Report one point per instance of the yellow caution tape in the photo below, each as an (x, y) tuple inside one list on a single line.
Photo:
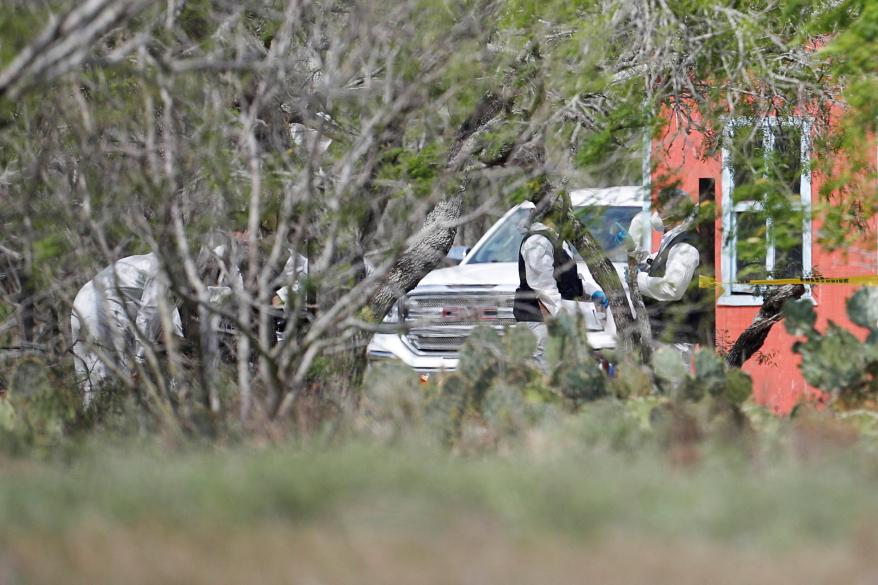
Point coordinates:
[(868, 280)]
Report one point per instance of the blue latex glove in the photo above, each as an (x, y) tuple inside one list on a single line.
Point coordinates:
[(600, 298), (621, 234)]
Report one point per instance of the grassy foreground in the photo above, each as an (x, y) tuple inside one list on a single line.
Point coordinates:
[(549, 511)]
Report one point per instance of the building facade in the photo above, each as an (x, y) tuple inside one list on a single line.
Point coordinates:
[(752, 242)]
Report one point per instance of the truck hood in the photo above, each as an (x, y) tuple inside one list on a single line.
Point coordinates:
[(500, 274)]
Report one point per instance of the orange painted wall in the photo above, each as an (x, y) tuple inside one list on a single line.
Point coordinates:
[(777, 382)]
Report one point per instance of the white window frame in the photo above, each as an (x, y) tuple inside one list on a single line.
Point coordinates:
[(741, 294)]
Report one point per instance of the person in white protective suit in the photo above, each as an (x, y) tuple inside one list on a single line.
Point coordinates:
[(294, 270), (219, 270), (667, 279), (290, 277), (549, 280), (114, 315)]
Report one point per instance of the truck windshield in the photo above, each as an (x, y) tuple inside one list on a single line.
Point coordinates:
[(602, 221)]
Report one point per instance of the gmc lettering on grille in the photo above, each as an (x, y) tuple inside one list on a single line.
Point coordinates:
[(469, 313)]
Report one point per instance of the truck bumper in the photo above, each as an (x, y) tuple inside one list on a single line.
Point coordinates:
[(389, 346)]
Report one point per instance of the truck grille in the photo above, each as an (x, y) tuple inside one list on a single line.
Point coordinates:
[(441, 344), (441, 324)]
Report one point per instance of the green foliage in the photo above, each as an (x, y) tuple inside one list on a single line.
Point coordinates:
[(850, 30), (417, 169), (7, 415), (632, 381), (263, 26), (620, 140), (523, 13), (90, 173), (47, 252), (496, 393), (194, 19), (37, 411), (499, 143), (18, 21)]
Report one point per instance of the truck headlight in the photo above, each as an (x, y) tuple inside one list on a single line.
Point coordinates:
[(393, 315)]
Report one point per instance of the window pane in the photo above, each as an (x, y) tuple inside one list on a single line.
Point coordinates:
[(786, 159), (746, 162), (772, 230), (787, 237), (783, 204), (750, 246)]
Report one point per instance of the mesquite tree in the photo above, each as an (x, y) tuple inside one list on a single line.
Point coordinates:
[(356, 133)]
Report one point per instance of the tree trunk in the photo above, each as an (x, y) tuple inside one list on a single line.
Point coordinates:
[(753, 337), (440, 226), (27, 322), (436, 237), (630, 339), (642, 318)]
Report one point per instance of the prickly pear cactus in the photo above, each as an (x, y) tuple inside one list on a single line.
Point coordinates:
[(738, 386), (836, 361), (461, 394), (710, 371), (863, 310), (574, 370), (711, 377), (499, 392), (506, 411), (478, 365), (518, 367), (799, 317), (669, 368)]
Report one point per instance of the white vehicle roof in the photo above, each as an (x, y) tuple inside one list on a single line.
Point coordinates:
[(627, 196)]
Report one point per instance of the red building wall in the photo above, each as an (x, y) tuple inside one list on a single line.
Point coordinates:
[(777, 383)]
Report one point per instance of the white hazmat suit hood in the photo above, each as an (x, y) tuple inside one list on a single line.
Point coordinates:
[(682, 262), (114, 314)]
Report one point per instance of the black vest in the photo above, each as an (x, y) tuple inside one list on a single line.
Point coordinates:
[(526, 306), (686, 320)]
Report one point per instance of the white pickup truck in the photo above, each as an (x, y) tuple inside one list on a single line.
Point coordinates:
[(428, 326)]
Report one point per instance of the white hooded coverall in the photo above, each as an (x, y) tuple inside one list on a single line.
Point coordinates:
[(119, 301), (683, 259), (295, 268), (539, 267)]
